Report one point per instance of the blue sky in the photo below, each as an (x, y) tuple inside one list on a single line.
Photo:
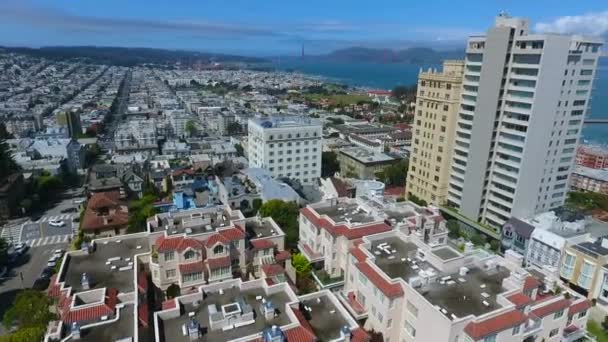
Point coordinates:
[(267, 27)]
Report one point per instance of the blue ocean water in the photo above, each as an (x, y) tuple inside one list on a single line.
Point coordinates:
[(386, 76)]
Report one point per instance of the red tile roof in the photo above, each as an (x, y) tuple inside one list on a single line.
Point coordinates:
[(282, 256), (169, 304), (143, 314), (233, 234), (262, 244), (192, 267), (358, 254), (180, 172), (271, 270), (344, 230), (299, 334), (359, 335), (216, 238), (551, 308), (94, 219), (531, 283), (479, 330), (579, 307), (394, 191), (218, 262), (94, 312), (166, 244), (54, 290), (520, 299), (104, 200), (389, 290)]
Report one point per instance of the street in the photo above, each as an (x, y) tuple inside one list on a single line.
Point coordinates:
[(30, 266)]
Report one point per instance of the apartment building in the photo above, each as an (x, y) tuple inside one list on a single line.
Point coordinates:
[(592, 156), (403, 286), (437, 105), (589, 179), (584, 267), (328, 229), (198, 246), (137, 136), (522, 106), (362, 163), (286, 146)]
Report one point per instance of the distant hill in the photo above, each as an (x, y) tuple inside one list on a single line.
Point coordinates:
[(129, 56), (411, 55)]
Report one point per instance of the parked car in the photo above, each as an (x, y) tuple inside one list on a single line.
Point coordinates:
[(21, 248), (56, 223), (41, 284), (47, 272), (78, 201), (69, 210)]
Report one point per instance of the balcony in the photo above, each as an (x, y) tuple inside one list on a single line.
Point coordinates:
[(533, 326), (308, 252), (573, 333), (351, 304), (325, 281)]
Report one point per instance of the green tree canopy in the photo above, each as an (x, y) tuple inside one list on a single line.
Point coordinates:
[(190, 127), (404, 93), (329, 164), (234, 128), (139, 212), (301, 264), (30, 310), (285, 214), (239, 150), (396, 174)]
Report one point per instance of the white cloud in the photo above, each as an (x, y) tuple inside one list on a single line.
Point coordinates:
[(591, 23)]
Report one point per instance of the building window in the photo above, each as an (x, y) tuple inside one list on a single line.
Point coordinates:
[(189, 255), (490, 339), (516, 330), (568, 266), (411, 308), (170, 273), (587, 271), (409, 328), (169, 256), (558, 314), (192, 277), (219, 249), (553, 332)]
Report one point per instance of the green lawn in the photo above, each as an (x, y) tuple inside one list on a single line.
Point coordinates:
[(339, 99), (596, 330)]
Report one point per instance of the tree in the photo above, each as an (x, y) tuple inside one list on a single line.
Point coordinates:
[(256, 204), (477, 239), (190, 127), (417, 200), (4, 134), (25, 334), (140, 210), (301, 264), (239, 150), (7, 163), (234, 128), (29, 310), (396, 174), (285, 214), (173, 291), (403, 93), (3, 252), (453, 229), (329, 164)]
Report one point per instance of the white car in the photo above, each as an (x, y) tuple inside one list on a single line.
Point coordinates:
[(78, 201), (56, 223)]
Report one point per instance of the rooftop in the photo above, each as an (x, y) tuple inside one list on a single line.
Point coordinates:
[(365, 156), (285, 122), (595, 249), (96, 266), (346, 211), (597, 174), (260, 228), (446, 253), (401, 262), (193, 221), (172, 328), (324, 318), (471, 294), (120, 329)]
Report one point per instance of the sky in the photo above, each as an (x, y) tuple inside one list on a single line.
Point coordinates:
[(271, 27)]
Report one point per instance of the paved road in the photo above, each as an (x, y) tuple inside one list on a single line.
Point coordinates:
[(30, 266)]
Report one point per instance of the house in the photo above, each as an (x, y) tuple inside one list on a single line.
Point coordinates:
[(516, 235), (106, 215), (134, 183)]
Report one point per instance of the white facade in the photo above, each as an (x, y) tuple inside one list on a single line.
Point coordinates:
[(286, 147), (522, 107)]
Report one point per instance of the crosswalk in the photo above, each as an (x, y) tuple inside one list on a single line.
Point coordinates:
[(63, 217), (12, 234), (48, 240)]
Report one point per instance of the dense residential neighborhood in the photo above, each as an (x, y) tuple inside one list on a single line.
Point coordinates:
[(214, 201)]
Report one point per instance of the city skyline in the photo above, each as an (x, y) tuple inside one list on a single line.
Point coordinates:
[(273, 27)]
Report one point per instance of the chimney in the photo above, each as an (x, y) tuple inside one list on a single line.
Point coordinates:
[(345, 333), (85, 282), (75, 330), (194, 330)]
